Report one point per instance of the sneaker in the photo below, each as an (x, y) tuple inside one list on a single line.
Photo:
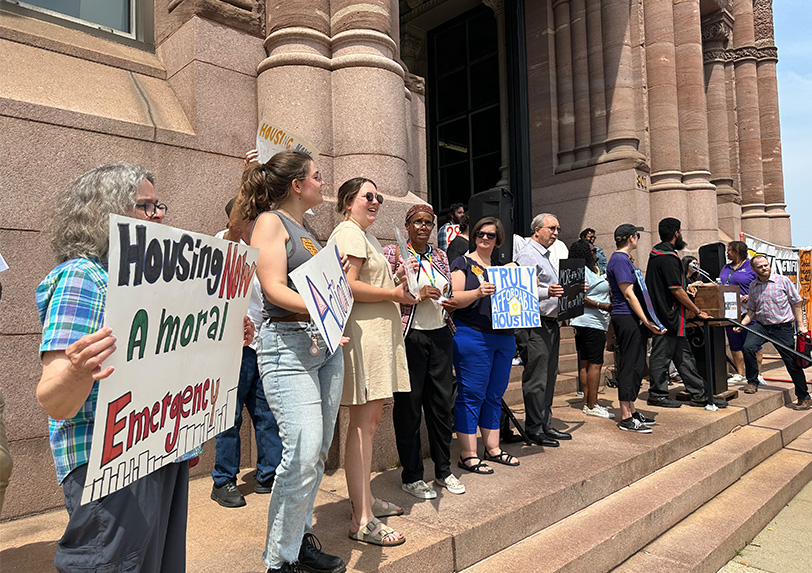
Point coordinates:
[(227, 494), (633, 425), (643, 419), (313, 560), (736, 379), (579, 394), (597, 411), (761, 379), (419, 489), (718, 402), (264, 486), (606, 410), (803, 404), (663, 402), (451, 483)]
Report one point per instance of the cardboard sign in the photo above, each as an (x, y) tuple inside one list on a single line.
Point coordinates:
[(323, 285), (272, 139), (176, 302), (571, 276), (515, 304)]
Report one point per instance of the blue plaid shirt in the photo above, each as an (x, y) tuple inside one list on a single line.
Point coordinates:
[(71, 303)]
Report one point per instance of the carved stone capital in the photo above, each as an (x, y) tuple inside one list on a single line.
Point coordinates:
[(744, 53), (415, 84), (498, 6), (715, 55), (410, 44), (768, 53), (717, 29)]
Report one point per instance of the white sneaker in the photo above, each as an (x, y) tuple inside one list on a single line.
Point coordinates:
[(419, 489), (761, 379), (579, 394), (736, 378), (602, 409), (596, 412), (451, 483)]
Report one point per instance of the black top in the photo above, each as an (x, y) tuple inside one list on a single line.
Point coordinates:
[(457, 248), (477, 315), (663, 275)]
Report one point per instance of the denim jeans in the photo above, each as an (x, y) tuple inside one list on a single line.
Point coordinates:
[(304, 393), (783, 333), (227, 444)]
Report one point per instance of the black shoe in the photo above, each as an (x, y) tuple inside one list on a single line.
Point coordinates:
[(314, 560), (264, 486), (543, 440), (644, 420), (718, 402), (556, 435), (227, 494), (510, 438), (287, 568), (663, 402), (632, 424)]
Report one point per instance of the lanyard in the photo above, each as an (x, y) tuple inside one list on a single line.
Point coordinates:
[(432, 277)]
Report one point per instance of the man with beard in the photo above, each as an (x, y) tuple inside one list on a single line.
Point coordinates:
[(666, 283)]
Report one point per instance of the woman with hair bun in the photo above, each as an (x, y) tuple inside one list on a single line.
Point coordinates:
[(301, 378), (374, 358)]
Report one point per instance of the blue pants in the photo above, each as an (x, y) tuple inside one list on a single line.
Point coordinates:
[(227, 444), (783, 333), (482, 363)]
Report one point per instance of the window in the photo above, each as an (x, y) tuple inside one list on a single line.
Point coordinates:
[(127, 21)]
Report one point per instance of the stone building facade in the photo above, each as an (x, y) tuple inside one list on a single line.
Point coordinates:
[(602, 111)]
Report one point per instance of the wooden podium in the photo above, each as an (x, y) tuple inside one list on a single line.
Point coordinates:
[(708, 339)]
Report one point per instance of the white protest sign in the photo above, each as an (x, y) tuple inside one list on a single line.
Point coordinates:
[(323, 285), (783, 260), (176, 302), (515, 304), (272, 139), (3, 264)]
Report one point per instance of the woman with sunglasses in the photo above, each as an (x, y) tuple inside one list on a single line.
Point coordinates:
[(428, 333), (374, 358), (482, 355), (301, 378)]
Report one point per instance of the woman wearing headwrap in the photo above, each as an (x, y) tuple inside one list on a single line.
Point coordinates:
[(428, 332)]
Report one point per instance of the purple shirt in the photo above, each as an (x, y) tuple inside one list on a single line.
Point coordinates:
[(740, 277), (620, 269), (772, 300)]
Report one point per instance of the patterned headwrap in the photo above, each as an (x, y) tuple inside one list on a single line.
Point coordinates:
[(419, 208)]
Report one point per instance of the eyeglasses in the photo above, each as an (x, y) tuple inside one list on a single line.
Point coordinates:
[(150, 208), (370, 196), (316, 177), (421, 224), (553, 229), (485, 235)]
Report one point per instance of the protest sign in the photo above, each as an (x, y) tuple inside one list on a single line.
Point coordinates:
[(515, 304), (323, 285), (3, 264), (272, 139), (805, 281), (571, 276), (176, 302), (783, 260)]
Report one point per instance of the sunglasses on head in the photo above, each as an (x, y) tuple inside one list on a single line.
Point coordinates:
[(370, 196), (485, 235)]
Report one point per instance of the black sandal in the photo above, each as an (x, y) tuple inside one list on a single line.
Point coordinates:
[(480, 468), (502, 457)]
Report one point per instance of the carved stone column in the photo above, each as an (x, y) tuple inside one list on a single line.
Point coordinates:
[(745, 56), (772, 168), (669, 193), (597, 95), (622, 141), (693, 122), (498, 7), (563, 79), (580, 84), (716, 32)]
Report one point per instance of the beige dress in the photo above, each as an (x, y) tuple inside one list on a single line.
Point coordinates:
[(374, 358)]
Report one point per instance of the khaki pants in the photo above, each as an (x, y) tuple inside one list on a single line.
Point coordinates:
[(5, 457)]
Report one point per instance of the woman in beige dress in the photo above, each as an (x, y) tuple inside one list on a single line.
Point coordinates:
[(374, 358)]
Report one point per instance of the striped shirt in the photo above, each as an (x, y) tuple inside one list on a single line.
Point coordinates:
[(772, 300), (71, 303)]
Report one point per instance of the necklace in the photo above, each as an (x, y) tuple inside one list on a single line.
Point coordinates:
[(419, 256)]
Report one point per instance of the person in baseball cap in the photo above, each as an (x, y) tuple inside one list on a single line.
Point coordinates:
[(625, 231)]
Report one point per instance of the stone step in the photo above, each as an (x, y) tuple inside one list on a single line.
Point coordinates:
[(603, 534), (710, 536)]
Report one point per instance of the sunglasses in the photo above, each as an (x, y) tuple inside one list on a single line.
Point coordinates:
[(485, 235), (370, 196)]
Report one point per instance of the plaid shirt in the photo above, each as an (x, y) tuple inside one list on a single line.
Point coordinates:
[(772, 300), (71, 303)]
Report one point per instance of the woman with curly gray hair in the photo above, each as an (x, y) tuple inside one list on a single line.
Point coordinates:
[(143, 526)]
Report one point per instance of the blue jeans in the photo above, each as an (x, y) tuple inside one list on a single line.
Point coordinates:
[(227, 444), (482, 362), (304, 393), (783, 333)]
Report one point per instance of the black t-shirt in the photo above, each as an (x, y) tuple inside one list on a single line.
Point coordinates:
[(457, 248), (664, 275)]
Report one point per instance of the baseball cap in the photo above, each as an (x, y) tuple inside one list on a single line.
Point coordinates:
[(625, 231)]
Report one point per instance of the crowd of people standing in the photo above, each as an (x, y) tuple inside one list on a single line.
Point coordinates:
[(434, 352)]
